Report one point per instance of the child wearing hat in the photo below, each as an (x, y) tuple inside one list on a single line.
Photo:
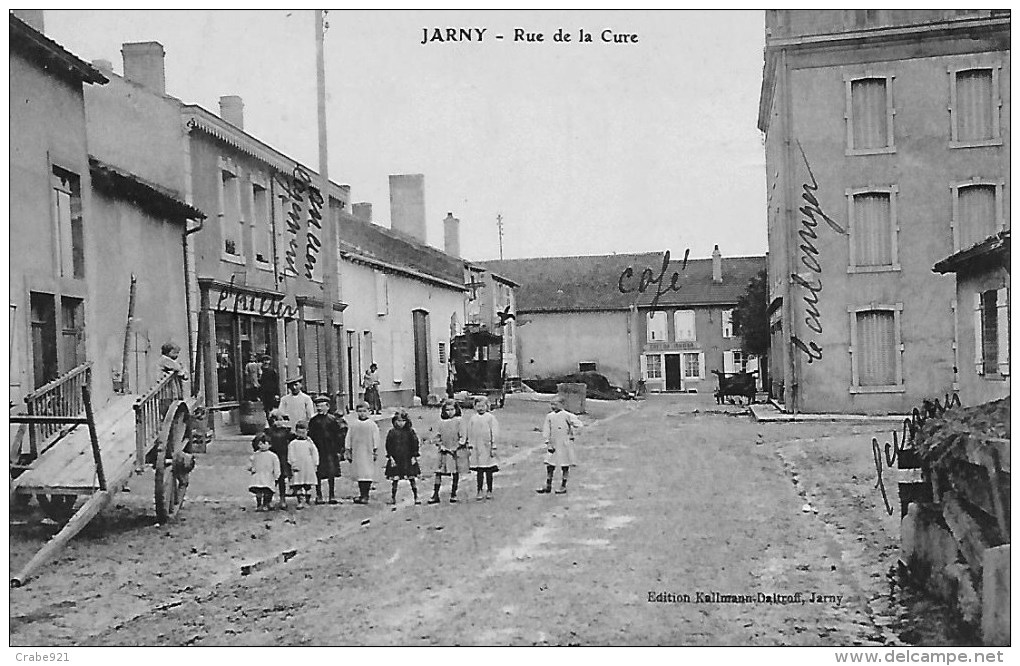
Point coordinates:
[(304, 461), (328, 432), (297, 404)]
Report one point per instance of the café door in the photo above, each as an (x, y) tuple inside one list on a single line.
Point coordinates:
[(673, 374)]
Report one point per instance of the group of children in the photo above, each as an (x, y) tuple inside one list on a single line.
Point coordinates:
[(311, 453)]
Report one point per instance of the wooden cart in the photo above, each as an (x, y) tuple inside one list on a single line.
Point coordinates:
[(67, 461), (477, 357)]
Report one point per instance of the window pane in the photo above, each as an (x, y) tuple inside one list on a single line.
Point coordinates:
[(226, 358), (974, 105), (876, 348), (692, 368), (656, 326), (654, 366), (989, 332), (977, 214), (872, 233), (231, 216), (870, 114), (263, 231)]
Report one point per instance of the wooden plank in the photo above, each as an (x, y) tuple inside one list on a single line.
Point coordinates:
[(81, 518), (32, 489)]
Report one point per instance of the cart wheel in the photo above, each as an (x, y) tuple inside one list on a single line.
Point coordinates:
[(173, 462), (58, 508)]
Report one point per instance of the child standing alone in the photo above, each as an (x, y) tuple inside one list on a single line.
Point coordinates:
[(448, 436), (265, 470), (558, 431), (362, 451), (402, 454), (480, 436), (304, 462)]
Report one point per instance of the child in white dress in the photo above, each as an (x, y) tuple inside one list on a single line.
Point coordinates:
[(265, 470), (303, 457), (480, 436), (558, 431)]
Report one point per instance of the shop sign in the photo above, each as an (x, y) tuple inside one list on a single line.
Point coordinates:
[(236, 301)]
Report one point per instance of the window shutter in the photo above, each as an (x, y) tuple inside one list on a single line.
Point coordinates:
[(977, 214), (1002, 319), (974, 102), (870, 113), (979, 359), (872, 235), (728, 362), (311, 360), (876, 341), (701, 365), (381, 294), (398, 358)]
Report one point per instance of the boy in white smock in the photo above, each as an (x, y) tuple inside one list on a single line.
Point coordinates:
[(558, 431)]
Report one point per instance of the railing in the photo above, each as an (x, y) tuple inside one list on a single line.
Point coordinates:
[(61, 397), (902, 451), (150, 409)]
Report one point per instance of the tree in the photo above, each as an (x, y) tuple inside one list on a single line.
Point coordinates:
[(751, 321)]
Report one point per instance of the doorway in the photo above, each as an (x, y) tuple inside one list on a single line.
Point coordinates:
[(421, 355), (673, 382)]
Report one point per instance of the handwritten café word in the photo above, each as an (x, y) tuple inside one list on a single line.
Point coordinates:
[(561, 36), (648, 278), (305, 202), (265, 305), (811, 213)]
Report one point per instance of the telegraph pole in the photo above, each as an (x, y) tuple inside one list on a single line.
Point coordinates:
[(329, 268), (499, 225)]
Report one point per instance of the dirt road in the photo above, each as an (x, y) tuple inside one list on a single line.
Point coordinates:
[(678, 529)]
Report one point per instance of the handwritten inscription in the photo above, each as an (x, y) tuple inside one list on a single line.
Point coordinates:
[(648, 278), (264, 305), (811, 213), (305, 200)]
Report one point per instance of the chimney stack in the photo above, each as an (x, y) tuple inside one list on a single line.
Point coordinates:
[(407, 204), (362, 210), (143, 64), (33, 17), (451, 235), (232, 110), (716, 265)]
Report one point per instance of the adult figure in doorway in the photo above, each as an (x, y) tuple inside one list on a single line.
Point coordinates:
[(371, 384), (269, 386)]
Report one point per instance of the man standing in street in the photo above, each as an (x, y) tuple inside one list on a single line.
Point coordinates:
[(269, 385), (297, 404)]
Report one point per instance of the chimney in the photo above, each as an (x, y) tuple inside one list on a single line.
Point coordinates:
[(104, 66), (407, 204), (232, 110), (716, 265), (33, 17), (362, 210), (143, 64), (451, 235)]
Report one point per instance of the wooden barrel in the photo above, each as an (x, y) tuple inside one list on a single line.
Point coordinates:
[(253, 419)]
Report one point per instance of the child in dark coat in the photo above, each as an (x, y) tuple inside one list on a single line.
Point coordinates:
[(279, 435), (328, 432), (402, 454)]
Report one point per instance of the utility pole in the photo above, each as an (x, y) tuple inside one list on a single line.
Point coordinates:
[(329, 268), (499, 225)]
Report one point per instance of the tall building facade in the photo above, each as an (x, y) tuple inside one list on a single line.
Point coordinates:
[(887, 149)]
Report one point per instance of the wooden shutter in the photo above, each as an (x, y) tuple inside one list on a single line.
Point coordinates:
[(310, 363), (876, 342), (979, 359), (728, 362), (976, 207), (974, 105), (1002, 330), (872, 234), (870, 113)]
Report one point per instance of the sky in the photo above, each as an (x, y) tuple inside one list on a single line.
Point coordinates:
[(582, 147)]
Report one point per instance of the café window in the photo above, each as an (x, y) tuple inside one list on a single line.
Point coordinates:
[(656, 326), (653, 366), (683, 324), (227, 361)]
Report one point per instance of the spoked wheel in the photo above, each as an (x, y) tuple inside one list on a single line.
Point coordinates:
[(173, 462), (58, 508)]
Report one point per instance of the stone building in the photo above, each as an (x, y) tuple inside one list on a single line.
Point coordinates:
[(887, 149), (590, 313)]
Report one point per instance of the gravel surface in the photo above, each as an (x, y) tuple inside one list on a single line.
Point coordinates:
[(673, 496)]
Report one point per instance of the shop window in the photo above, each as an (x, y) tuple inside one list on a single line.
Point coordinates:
[(977, 213), (262, 228), (653, 366), (875, 349), (44, 338), (227, 362), (869, 114), (873, 230), (67, 214), (974, 107), (693, 367), (586, 366), (727, 323), (991, 333), (656, 326), (683, 324)]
